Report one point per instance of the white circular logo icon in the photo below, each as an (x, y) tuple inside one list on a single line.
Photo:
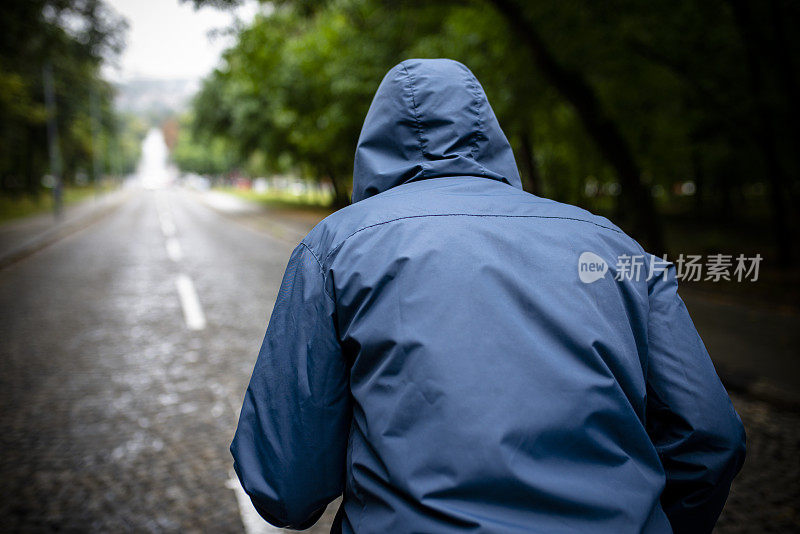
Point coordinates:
[(591, 267)]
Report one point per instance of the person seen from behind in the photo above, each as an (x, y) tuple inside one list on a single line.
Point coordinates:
[(452, 354)]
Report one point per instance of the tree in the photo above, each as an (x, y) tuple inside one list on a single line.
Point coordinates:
[(573, 86), (617, 106), (73, 37)]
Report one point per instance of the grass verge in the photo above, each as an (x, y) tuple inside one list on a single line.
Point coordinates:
[(24, 205), (312, 201)]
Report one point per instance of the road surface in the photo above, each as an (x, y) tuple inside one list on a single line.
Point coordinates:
[(117, 404)]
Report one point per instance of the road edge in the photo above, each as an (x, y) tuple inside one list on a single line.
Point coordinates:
[(759, 389), (66, 228)]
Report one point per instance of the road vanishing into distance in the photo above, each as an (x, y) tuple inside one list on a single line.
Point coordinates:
[(125, 349)]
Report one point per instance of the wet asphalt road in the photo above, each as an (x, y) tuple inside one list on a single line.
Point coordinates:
[(116, 417)]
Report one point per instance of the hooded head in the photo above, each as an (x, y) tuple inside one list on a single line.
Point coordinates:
[(430, 118)]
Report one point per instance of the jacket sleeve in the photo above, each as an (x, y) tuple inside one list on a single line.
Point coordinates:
[(290, 445), (690, 419)]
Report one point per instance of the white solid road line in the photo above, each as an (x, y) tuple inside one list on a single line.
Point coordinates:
[(192, 312), (174, 250), (253, 523)]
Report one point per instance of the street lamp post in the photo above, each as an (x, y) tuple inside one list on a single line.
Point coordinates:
[(52, 138)]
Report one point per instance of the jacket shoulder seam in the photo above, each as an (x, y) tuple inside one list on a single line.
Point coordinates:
[(302, 243), (321, 268), (487, 215)]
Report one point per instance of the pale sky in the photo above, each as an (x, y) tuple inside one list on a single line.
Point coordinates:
[(169, 39)]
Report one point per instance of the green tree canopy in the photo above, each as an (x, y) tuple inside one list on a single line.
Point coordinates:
[(614, 105), (72, 38)]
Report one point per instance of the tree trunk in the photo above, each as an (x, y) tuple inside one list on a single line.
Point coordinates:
[(787, 73), (699, 181), (756, 52), (341, 198), (636, 200), (530, 171)]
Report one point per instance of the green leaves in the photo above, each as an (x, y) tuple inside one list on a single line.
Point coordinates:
[(670, 78), (74, 37)]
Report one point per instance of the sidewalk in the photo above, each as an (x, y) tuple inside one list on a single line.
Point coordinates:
[(285, 224), (22, 237), (754, 348)]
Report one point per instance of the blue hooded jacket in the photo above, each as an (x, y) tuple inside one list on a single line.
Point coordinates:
[(453, 354)]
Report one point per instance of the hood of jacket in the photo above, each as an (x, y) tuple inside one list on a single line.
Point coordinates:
[(430, 118)]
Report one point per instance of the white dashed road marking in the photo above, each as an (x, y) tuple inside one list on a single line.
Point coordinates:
[(253, 523), (167, 226), (165, 217), (192, 312), (195, 320), (174, 250)]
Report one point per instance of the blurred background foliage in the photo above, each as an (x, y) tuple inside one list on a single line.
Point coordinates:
[(71, 39), (678, 119)]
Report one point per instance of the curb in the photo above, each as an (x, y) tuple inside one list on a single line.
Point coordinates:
[(62, 230)]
